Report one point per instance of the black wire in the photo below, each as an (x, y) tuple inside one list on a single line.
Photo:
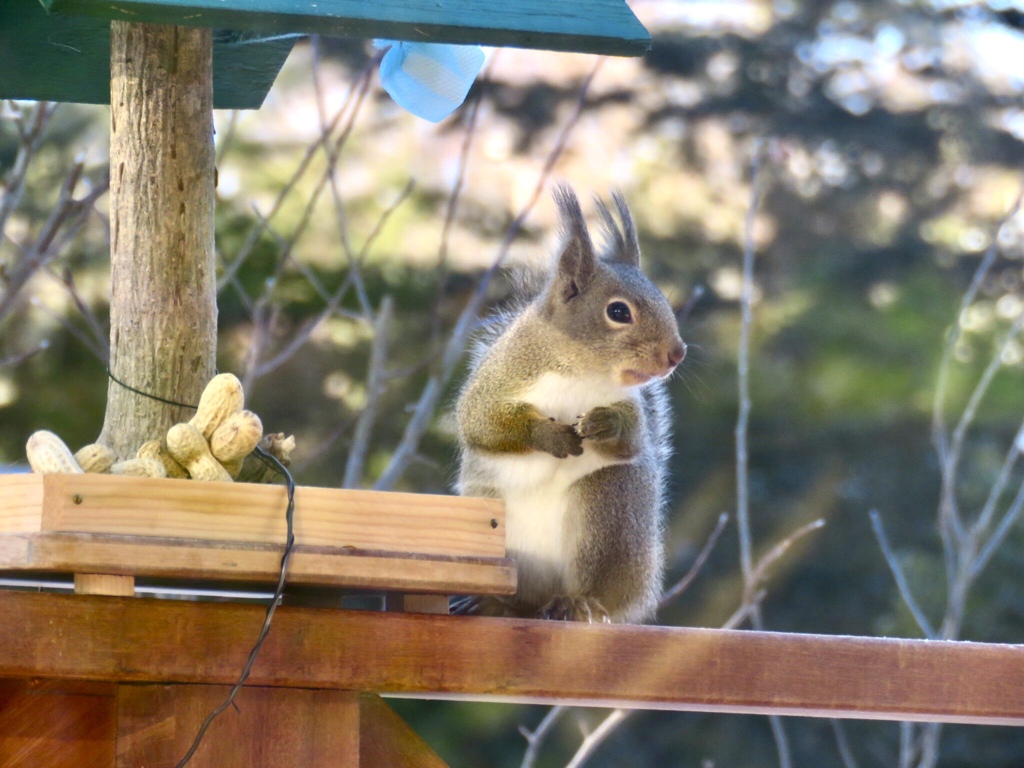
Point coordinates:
[(150, 395), (289, 517), (290, 541)]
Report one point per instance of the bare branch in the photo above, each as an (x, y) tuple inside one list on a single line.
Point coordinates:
[(948, 507), (781, 741), (843, 744), (752, 593), (930, 733), (998, 486), (939, 432), (434, 388), (999, 535), (20, 357), (320, 450), (318, 87), (763, 568), (753, 590), (900, 577), (351, 105), (535, 738), (62, 225), (30, 131), (743, 365), (100, 334), (454, 199), (683, 584), (258, 369), (374, 389), (334, 300), (981, 388), (950, 447), (355, 275), (341, 217), (262, 321), (383, 220), (86, 340), (907, 740), (224, 145), (594, 739), (684, 312), (745, 611)]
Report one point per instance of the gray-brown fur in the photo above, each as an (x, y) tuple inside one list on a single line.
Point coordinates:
[(583, 490)]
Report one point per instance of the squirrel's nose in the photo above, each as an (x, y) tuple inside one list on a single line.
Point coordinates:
[(676, 354)]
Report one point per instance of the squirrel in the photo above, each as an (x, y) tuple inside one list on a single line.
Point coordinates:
[(565, 417)]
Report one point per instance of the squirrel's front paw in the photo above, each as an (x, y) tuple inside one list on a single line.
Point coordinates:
[(566, 608), (560, 440), (600, 423)]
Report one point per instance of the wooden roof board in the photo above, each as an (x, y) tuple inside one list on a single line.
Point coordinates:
[(67, 58), (584, 26)]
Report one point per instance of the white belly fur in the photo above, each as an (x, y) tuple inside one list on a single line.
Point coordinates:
[(535, 486)]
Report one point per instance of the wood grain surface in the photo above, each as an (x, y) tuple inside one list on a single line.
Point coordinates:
[(387, 741), (432, 656), (248, 512), (270, 728), (201, 561), (56, 725)]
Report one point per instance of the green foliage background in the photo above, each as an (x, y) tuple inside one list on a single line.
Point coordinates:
[(896, 153)]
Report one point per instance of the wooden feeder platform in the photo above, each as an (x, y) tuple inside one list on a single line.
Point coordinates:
[(174, 529)]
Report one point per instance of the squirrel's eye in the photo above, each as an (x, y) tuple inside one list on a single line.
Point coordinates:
[(618, 312)]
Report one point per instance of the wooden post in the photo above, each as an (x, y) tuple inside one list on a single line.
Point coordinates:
[(163, 308)]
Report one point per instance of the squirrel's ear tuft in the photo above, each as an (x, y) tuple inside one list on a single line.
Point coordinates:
[(576, 260), (623, 245)]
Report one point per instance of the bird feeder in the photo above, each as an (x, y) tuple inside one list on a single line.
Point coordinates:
[(163, 65), (98, 679)]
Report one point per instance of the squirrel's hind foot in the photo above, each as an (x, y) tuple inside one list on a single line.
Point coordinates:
[(568, 608)]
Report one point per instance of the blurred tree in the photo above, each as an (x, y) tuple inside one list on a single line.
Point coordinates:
[(897, 130)]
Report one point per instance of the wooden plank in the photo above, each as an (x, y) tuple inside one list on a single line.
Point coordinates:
[(57, 58), (254, 563), (590, 26), (105, 638), (271, 727), (104, 584), (141, 506), (387, 741), (56, 726), (21, 503)]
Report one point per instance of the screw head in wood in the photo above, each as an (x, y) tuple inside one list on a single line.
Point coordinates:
[(494, 522), (77, 498)]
